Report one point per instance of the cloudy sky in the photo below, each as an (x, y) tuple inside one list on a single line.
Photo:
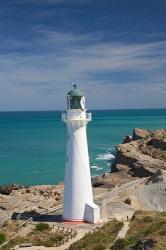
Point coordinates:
[(115, 50)]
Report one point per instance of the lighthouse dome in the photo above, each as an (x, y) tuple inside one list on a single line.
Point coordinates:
[(75, 91), (75, 98)]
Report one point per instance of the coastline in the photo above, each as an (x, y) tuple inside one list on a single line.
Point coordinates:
[(35, 143), (130, 164), (134, 185)]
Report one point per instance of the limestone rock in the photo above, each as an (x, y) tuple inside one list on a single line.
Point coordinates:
[(127, 139), (140, 133), (151, 194), (7, 189), (144, 154), (18, 199)]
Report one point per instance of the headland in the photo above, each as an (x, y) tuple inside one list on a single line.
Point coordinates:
[(136, 182)]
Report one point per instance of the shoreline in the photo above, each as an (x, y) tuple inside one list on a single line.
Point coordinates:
[(134, 160), (137, 183), (126, 163)]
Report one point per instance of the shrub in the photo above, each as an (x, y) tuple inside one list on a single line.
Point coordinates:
[(50, 241), (2, 238), (99, 246), (147, 219), (47, 243), (119, 244), (42, 227), (13, 242)]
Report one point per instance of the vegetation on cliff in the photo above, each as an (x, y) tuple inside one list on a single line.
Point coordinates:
[(2, 238), (147, 230), (100, 239), (41, 235)]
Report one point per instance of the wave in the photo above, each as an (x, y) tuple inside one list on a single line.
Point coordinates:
[(95, 167), (106, 148), (105, 157)]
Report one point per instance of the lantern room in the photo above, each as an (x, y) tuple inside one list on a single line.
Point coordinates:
[(75, 99)]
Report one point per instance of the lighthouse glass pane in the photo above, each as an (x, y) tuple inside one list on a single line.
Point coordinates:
[(75, 102)]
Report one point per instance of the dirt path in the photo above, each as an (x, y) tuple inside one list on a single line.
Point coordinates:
[(123, 231)]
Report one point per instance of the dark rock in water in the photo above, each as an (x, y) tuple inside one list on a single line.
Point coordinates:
[(114, 168), (127, 139), (140, 133)]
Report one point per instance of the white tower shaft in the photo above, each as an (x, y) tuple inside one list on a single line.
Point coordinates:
[(78, 198), (78, 189)]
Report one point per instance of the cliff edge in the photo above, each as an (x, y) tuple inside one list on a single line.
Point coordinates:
[(143, 153)]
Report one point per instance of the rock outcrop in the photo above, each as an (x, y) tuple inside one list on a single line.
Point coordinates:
[(141, 155), (144, 154), (18, 199), (150, 195), (140, 134), (7, 189)]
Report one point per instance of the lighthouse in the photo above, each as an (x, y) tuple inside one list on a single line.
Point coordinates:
[(78, 198)]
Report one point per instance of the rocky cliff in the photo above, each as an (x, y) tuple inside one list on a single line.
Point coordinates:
[(143, 153), (140, 155)]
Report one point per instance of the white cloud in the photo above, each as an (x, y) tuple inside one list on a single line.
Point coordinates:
[(41, 78)]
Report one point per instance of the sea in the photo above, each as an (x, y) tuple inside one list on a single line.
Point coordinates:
[(33, 144)]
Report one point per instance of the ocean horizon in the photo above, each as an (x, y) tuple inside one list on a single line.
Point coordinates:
[(33, 143)]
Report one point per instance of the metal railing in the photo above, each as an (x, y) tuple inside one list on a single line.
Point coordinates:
[(65, 116)]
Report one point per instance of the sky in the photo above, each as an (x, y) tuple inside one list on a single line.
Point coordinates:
[(114, 50)]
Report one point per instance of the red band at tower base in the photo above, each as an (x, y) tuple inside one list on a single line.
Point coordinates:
[(72, 220)]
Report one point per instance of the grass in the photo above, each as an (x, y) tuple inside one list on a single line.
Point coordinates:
[(42, 227), (2, 238), (41, 235), (98, 240), (14, 242), (146, 229)]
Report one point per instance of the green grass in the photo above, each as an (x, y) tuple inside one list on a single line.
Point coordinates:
[(50, 242), (98, 240), (41, 235), (42, 227), (14, 242), (122, 243), (2, 238), (146, 228)]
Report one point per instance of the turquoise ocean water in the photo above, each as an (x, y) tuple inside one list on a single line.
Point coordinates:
[(32, 144)]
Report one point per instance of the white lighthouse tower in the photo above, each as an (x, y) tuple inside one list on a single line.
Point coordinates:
[(78, 198)]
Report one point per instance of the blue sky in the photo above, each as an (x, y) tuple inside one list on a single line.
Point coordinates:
[(115, 50)]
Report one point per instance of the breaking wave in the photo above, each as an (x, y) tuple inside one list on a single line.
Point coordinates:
[(105, 157), (95, 167)]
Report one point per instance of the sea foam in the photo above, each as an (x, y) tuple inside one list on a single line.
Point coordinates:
[(105, 157), (95, 167)]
